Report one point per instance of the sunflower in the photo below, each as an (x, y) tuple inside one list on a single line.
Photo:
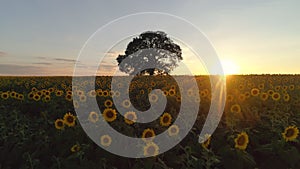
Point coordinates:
[(292, 87), (229, 98), (153, 84), (92, 93), (105, 93), (203, 94), (34, 89), (76, 104), (108, 103), (276, 96), (286, 97), (178, 99), (165, 119), (255, 92), (82, 98), (12, 94), (236, 108), (190, 92), (99, 92), (75, 148), (264, 96), (59, 124), (105, 140), (59, 93), (30, 95), (149, 89), (68, 97), (153, 98), (80, 92), (93, 117), (261, 86), (130, 117), (247, 94), (277, 88), (172, 92), (47, 98), (36, 97), (242, 97), (117, 94), (142, 92), (47, 92), (51, 89), (241, 141), (20, 96), (173, 130), (206, 142), (69, 119), (126, 103), (109, 114), (40, 93), (241, 87), (290, 133), (166, 93), (111, 93), (5, 95), (151, 149), (148, 135), (270, 92)]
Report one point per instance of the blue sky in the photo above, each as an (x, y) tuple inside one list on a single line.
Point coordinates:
[(45, 37)]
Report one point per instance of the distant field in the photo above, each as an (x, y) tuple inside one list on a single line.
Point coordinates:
[(259, 126)]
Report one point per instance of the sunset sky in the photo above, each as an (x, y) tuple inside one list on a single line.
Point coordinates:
[(250, 37)]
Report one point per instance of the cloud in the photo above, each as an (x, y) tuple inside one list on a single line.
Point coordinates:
[(57, 59), (2, 53), (10, 69), (113, 53), (42, 63), (65, 60)]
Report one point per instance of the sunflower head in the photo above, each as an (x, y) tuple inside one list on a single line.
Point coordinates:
[(130, 117), (153, 98), (290, 133), (148, 135), (264, 96), (68, 97), (69, 119), (236, 108), (206, 142), (172, 92), (165, 119), (276, 96), (151, 149), (173, 130), (93, 117), (105, 140), (36, 97), (108, 103), (126, 103), (241, 141), (59, 124), (75, 148), (255, 92), (109, 114)]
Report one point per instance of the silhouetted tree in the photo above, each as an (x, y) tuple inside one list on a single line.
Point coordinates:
[(153, 48)]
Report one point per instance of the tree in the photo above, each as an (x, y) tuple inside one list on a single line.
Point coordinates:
[(150, 48)]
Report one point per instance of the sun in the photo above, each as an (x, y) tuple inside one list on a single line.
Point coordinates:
[(229, 67)]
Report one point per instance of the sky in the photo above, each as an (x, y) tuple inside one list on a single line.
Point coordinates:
[(40, 37)]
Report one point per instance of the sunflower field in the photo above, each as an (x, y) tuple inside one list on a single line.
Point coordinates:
[(259, 126)]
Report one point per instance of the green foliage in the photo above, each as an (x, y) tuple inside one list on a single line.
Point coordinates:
[(29, 139)]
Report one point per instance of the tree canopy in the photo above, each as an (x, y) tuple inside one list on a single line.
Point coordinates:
[(150, 48)]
